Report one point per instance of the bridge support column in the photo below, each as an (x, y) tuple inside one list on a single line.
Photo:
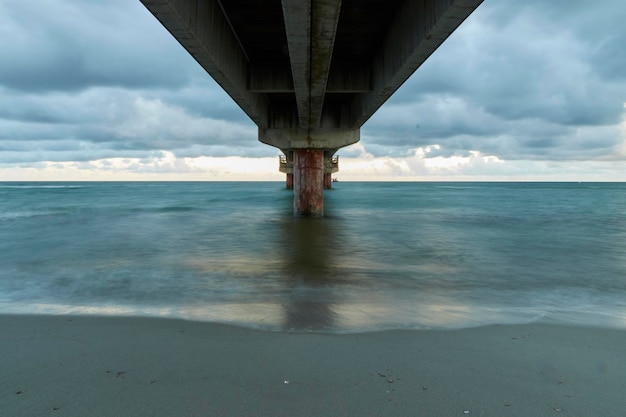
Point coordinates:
[(308, 182), (289, 182), (328, 181)]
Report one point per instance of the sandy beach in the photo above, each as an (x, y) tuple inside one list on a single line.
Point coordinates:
[(94, 366)]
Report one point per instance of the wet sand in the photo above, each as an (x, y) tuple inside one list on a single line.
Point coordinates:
[(95, 366)]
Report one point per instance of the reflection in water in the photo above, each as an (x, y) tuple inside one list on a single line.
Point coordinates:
[(395, 256), (308, 273)]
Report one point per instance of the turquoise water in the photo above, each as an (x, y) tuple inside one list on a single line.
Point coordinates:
[(387, 255)]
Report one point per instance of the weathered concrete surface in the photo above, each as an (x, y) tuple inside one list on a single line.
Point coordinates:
[(296, 138), (204, 31), (418, 29), (297, 15), (310, 73), (328, 181), (308, 182), (324, 19), (311, 63)]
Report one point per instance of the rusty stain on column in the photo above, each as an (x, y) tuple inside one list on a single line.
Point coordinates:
[(328, 181), (308, 182)]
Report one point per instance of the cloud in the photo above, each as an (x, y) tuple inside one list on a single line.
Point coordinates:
[(519, 80), (76, 44), (160, 165), (110, 122), (90, 80), (520, 88), (423, 164)]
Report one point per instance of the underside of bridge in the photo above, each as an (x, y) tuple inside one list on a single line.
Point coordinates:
[(309, 73)]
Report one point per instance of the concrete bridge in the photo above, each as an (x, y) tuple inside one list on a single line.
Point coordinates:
[(310, 73)]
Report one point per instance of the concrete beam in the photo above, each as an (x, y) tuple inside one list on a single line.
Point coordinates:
[(298, 138), (311, 28), (324, 19), (418, 29), (202, 29), (278, 79), (297, 15), (349, 79), (270, 79)]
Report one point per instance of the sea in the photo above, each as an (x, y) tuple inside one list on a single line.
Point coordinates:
[(386, 255)]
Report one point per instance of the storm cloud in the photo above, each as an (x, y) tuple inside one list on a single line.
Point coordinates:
[(518, 81)]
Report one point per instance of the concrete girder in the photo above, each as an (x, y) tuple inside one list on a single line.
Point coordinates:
[(349, 79), (297, 15), (266, 78), (201, 27), (274, 60), (311, 27), (270, 79), (297, 138), (324, 19), (418, 29)]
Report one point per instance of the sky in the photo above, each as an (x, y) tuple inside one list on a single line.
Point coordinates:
[(530, 90)]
